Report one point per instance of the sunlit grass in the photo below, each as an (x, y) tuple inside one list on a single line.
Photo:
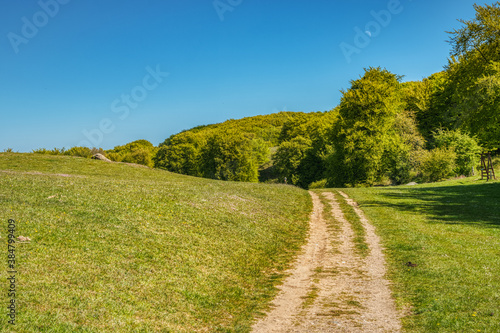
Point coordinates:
[(450, 232), (117, 248), (360, 245)]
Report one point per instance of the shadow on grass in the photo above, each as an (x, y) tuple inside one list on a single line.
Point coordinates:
[(458, 204)]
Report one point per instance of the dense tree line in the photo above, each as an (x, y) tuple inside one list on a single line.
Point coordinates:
[(233, 150), (384, 131)]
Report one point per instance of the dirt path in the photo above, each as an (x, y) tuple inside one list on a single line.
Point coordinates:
[(331, 288)]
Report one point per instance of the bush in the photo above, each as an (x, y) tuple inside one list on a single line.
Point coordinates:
[(75, 151), (94, 151), (139, 156), (318, 184), (139, 152), (466, 148), (438, 164), (79, 151), (115, 157), (43, 151)]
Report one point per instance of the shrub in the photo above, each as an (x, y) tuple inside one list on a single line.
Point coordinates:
[(139, 156), (318, 184), (94, 151), (43, 151), (139, 152), (79, 151), (438, 164), (466, 148), (115, 157)]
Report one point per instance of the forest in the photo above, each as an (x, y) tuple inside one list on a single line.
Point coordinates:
[(384, 130)]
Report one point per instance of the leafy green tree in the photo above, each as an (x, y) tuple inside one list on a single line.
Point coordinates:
[(180, 153), (362, 134), (296, 126), (289, 159), (79, 151), (139, 156), (479, 35), (313, 127), (430, 101), (403, 155), (229, 156), (482, 108), (473, 74)]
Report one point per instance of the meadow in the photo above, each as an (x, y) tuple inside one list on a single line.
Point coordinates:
[(450, 233), (124, 248)]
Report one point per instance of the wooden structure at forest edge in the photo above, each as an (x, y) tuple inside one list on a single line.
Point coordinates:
[(487, 167)]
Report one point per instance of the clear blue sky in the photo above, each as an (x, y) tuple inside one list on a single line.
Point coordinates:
[(70, 67)]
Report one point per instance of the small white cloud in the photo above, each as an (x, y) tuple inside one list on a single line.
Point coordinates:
[(368, 33)]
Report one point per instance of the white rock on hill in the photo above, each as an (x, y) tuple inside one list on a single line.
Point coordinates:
[(100, 157)]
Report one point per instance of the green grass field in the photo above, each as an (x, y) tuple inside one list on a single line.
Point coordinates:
[(120, 248), (451, 231)]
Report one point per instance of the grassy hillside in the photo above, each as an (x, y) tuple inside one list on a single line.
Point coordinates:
[(120, 248), (450, 231)]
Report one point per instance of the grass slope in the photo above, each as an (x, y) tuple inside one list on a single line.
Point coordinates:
[(118, 248), (451, 231)]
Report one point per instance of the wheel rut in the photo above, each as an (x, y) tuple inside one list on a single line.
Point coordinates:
[(332, 288)]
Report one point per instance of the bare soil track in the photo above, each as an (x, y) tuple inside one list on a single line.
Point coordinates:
[(331, 288)]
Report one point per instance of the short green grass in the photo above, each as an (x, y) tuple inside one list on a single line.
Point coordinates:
[(118, 248), (332, 224), (361, 247), (450, 232)]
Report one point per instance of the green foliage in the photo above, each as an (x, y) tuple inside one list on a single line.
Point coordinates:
[(139, 152), (112, 243), (402, 156), (289, 157), (430, 101), (416, 95), (231, 156), (474, 75), (318, 184), (481, 107), (139, 156), (206, 150), (180, 153), (465, 147), (450, 230), (75, 151), (479, 35), (438, 164), (363, 133), (55, 151), (80, 152), (309, 164)]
